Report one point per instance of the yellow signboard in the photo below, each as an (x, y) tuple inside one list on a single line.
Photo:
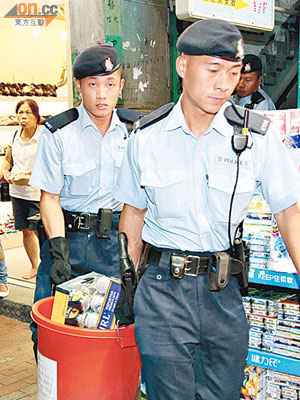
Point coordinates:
[(255, 14)]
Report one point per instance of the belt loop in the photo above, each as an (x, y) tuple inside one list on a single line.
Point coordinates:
[(165, 256), (143, 261)]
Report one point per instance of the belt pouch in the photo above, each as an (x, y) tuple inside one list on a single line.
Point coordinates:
[(218, 272), (70, 222), (241, 252), (104, 223), (177, 265)]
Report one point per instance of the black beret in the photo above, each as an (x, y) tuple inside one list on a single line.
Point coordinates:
[(251, 63), (212, 37), (96, 60)]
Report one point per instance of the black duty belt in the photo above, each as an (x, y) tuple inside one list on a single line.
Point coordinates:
[(76, 221), (196, 263), (103, 223)]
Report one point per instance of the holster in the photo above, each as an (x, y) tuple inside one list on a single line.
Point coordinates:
[(104, 223), (219, 271), (241, 252), (127, 270)]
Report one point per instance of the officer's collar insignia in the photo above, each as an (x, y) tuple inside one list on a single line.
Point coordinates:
[(240, 49), (247, 67), (108, 65)]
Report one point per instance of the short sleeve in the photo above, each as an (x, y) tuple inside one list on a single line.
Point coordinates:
[(47, 173), (279, 177), (128, 188)]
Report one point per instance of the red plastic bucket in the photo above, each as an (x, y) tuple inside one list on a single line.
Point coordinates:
[(84, 364)]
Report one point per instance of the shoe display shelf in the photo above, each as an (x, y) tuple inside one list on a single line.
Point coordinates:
[(47, 105), (266, 359)]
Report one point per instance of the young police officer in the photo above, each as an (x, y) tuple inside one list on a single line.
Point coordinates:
[(179, 176), (76, 165), (249, 94)]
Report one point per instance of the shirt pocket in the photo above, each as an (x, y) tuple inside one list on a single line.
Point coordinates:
[(80, 177), (165, 191), (119, 155), (220, 189)]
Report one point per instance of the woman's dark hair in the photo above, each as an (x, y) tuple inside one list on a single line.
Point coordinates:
[(33, 106)]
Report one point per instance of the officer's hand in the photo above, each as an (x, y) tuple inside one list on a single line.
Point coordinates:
[(122, 312), (59, 252)]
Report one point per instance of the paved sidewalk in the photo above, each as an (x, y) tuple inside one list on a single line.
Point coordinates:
[(18, 371), (18, 304)]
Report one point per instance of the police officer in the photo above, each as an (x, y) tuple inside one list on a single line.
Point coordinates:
[(76, 165), (180, 174), (249, 94)]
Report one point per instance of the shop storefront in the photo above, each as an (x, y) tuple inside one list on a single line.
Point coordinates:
[(35, 64)]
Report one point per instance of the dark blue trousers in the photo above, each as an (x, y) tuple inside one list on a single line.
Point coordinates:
[(193, 342), (87, 254)]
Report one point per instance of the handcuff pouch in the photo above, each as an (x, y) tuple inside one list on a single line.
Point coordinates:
[(218, 272), (104, 223)]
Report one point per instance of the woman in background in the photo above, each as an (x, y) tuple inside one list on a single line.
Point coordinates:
[(16, 170)]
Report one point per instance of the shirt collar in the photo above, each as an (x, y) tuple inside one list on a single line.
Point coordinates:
[(115, 121), (86, 120), (177, 120), (219, 124)]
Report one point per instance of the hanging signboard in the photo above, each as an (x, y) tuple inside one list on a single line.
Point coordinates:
[(256, 14)]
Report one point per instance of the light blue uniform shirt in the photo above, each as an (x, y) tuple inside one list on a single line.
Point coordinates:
[(186, 183), (80, 164), (266, 104)]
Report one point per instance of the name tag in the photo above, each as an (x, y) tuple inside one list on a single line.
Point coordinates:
[(120, 148), (231, 161)]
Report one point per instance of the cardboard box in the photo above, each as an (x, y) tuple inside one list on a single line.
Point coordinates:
[(87, 301)]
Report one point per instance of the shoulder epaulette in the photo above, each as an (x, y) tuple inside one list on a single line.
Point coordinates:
[(257, 98), (61, 120), (257, 122), (154, 116), (129, 115)]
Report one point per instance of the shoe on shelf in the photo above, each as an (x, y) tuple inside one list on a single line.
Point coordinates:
[(4, 290)]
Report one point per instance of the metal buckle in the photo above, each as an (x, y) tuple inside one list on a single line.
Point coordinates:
[(188, 260), (84, 221)]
